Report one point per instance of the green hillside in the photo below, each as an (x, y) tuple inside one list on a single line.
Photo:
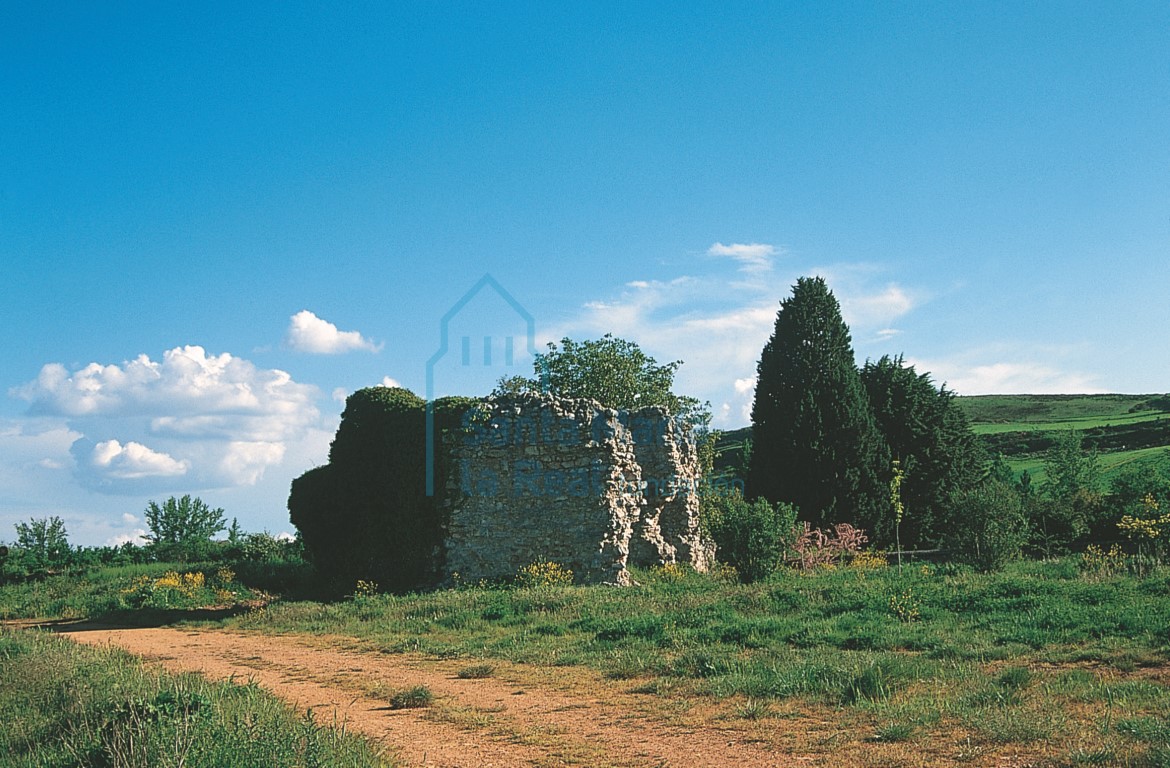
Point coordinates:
[(1124, 429)]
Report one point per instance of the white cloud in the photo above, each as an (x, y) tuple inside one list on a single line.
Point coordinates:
[(129, 519), (245, 462), (743, 386), (862, 309), (213, 420), (134, 461), (389, 382), (186, 386), (755, 257), (136, 537), (309, 333), (1002, 369)]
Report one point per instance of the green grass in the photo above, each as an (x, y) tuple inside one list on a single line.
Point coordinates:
[(1003, 655), (121, 591), (1088, 422), (63, 704), (1040, 655), (1027, 412), (1111, 463)]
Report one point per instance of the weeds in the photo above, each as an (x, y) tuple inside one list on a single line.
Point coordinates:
[(417, 697), (476, 672)]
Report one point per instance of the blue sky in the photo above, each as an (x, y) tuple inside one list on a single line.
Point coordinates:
[(216, 221)]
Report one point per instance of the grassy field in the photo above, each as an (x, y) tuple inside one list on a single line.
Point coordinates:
[(1038, 411), (1067, 664), (1063, 663), (63, 704)]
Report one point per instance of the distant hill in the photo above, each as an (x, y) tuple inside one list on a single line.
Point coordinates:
[(1122, 428)]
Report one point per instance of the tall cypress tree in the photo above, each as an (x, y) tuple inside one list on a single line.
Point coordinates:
[(815, 444)]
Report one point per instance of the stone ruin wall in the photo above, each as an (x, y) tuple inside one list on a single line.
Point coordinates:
[(539, 478)]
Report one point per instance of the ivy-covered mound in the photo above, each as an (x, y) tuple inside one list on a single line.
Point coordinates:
[(366, 515)]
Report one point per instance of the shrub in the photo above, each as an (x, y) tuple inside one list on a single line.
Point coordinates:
[(544, 574), (412, 698), (815, 548), (988, 526), (475, 672), (753, 538)]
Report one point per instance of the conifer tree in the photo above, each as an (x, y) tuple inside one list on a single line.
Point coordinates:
[(928, 434), (815, 444)]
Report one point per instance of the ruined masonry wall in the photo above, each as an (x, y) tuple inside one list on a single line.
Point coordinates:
[(538, 478)]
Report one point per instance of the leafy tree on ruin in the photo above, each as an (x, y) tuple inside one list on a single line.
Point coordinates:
[(815, 443), (930, 437), (615, 372)]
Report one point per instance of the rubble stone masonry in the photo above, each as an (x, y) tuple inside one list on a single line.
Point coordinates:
[(540, 478)]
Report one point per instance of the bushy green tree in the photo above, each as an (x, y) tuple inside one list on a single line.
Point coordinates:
[(43, 542), (366, 515), (1129, 488), (931, 439), (988, 527), (182, 528), (613, 371), (814, 441), (1070, 502), (753, 537)]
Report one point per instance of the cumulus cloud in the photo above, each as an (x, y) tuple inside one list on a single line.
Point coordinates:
[(309, 333), (212, 420), (181, 391), (244, 462), (389, 382), (134, 460), (755, 257)]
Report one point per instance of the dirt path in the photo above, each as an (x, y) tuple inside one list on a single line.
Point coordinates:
[(512, 718)]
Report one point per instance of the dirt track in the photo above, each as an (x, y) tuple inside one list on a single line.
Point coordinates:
[(508, 719)]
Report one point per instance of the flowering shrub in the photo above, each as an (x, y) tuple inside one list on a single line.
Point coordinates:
[(1149, 526), (867, 560), (670, 572), (1095, 562), (184, 590), (544, 574), (816, 548), (365, 588), (905, 607)]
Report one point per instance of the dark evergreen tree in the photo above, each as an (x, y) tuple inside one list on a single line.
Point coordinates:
[(815, 444), (929, 435)]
